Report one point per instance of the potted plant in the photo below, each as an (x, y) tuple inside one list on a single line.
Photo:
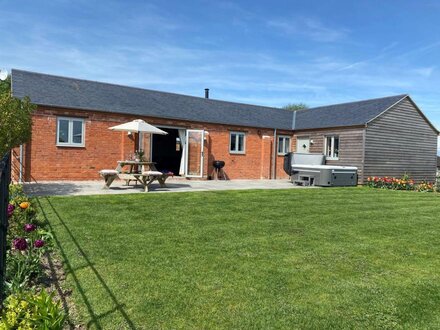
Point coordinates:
[(139, 155)]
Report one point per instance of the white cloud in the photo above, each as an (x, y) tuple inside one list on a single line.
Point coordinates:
[(424, 72), (309, 28)]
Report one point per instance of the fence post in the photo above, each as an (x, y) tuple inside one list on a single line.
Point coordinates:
[(5, 179)]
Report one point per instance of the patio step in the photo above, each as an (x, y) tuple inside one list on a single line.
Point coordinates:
[(304, 183)]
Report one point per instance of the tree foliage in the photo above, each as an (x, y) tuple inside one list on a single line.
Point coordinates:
[(15, 118), (295, 106), (5, 86)]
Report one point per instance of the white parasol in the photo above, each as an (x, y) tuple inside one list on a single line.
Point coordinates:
[(138, 126)]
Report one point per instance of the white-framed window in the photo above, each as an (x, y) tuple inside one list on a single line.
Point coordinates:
[(70, 132), (283, 144), (237, 142), (331, 147)]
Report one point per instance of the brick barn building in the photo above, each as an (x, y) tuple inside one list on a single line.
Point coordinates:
[(71, 140)]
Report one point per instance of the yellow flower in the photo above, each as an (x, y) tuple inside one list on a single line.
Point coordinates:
[(11, 317), (12, 302), (24, 304)]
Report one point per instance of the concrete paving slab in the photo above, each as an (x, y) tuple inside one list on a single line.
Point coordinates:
[(74, 188)]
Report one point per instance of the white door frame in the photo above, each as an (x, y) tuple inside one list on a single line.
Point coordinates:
[(202, 156)]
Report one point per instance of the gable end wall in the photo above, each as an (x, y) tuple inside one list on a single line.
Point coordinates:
[(401, 141)]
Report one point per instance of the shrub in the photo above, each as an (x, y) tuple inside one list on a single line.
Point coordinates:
[(26, 310), (15, 190), (15, 119)]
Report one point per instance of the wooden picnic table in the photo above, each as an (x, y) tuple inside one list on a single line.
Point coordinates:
[(141, 172), (135, 165)]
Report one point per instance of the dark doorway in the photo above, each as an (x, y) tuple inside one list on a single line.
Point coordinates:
[(167, 151)]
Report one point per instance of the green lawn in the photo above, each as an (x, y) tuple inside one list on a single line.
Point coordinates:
[(303, 258)]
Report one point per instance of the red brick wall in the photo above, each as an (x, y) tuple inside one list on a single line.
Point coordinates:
[(254, 164), (103, 147)]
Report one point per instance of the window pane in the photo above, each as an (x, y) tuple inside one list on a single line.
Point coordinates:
[(280, 145), (77, 131), (240, 142), (286, 145), (195, 143), (336, 147), (63, 131), (233, 142), (328, 152)]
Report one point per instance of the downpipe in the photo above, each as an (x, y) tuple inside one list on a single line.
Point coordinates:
[(274, 155), (20, 175)]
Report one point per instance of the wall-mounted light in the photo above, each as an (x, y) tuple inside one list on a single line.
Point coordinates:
[(129, 133), (312, 142)]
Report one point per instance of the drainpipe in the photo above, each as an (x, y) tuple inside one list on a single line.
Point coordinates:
[(20, 175), (274, 156), (294, 120)]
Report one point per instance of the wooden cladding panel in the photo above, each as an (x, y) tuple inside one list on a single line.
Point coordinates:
[(401, 141), (350, 145)]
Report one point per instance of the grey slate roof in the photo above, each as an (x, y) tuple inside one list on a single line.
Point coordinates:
[(57, 91), (73, 93), (345, 114)]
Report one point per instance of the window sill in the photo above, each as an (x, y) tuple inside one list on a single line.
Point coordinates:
[(331, 158), (71, 145), (237, 153)]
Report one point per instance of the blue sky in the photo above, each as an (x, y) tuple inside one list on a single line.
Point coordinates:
[(268, 53)]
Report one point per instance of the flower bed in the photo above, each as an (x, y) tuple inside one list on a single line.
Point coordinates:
[(404, 183), (27, 305)]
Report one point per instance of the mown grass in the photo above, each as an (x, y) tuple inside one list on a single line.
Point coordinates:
[(306, 258)]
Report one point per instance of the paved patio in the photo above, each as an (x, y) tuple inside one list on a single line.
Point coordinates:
[(65, 188)]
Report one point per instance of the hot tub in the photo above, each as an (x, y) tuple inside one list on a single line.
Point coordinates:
[(324, 175), (309, 170)]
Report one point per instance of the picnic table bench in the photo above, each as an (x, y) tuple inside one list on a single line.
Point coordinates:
[(144, 173)]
